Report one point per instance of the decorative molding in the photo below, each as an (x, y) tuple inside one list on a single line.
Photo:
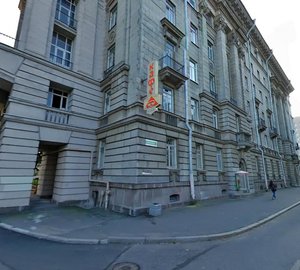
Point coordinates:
[(203, 7), (220, 23), (111, 37)]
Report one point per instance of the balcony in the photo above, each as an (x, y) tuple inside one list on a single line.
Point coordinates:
[(295, 159), (171, 32), (65, 19), (171, 120), (57, 116), (171, 72), (261, 125), (273, 132), (244, 140)]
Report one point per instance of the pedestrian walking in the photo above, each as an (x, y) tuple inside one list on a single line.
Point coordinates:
[(273, 188)]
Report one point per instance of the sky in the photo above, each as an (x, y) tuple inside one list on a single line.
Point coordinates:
[(276, 20)]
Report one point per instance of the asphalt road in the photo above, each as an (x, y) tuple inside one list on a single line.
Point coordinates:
[(273, 246)]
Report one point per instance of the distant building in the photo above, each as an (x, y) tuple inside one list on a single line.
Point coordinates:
[(82, 109), (297, 131)]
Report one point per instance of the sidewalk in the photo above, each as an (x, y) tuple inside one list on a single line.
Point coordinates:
[(208, 219)]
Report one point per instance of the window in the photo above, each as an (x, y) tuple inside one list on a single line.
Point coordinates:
[(215, 119), (195, 109), (210, 51), (258, 75), (171, 153), (65, 12), (238, 123), (111, 57), (257, 165), (193, 70), (170, 12), (193, 3), (167, 99), (219, 160), (112, 17), (194, 34), (61, 50), (248, 107), (57, 99), (199, 157), (267, 102), (212, 83), (107, 100), (266, 141), (170, 49), (251, 67), (246, 83), (101, 154)]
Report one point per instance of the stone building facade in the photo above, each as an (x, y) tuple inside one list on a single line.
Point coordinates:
[(72, 94)]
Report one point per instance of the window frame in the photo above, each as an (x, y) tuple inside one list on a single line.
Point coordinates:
[(192, 3), (171, 156), (63, 99), (69, 12), (193, 68), (215, 121), (171, 12), (210, 51), (219, 158), (113, 14), (199, 157), (194, 34), (101, 154), (168, 94), (57, 52), (212, 83), (195, 110), (111, 55), (107, 101)]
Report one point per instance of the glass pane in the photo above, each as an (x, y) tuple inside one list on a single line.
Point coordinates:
[(56, 102)]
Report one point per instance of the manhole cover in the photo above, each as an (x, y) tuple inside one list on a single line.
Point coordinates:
[(126, 266)]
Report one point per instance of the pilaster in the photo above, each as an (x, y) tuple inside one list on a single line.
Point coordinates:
[(222, 81)]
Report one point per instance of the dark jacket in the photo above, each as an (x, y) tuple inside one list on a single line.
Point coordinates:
[(272, 186)]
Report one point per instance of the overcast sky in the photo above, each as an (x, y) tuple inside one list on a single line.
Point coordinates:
[(277, 21)]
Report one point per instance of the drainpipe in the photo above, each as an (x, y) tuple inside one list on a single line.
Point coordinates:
[(253, 102), (272, 105), (191, 176)]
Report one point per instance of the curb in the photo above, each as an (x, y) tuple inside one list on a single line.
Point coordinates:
[(147, 239)]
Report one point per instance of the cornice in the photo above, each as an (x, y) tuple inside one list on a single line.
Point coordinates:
[(242, 22)]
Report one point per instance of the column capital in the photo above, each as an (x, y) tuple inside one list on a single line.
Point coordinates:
[(220, 23), (203, 7)]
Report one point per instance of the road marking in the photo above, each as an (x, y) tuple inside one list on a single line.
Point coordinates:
[(296, 265)]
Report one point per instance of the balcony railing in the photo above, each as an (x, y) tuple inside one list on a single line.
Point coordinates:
[(261, 125), (60, 61), (65, 19), (57, 117), (168, 61), (244, 140), (171, 71), (273, 132), (171, 120)]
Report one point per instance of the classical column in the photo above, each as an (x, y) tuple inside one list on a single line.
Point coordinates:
[(234, 70), (222, 80)]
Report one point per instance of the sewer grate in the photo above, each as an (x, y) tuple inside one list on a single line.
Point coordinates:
[(126, 266)]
